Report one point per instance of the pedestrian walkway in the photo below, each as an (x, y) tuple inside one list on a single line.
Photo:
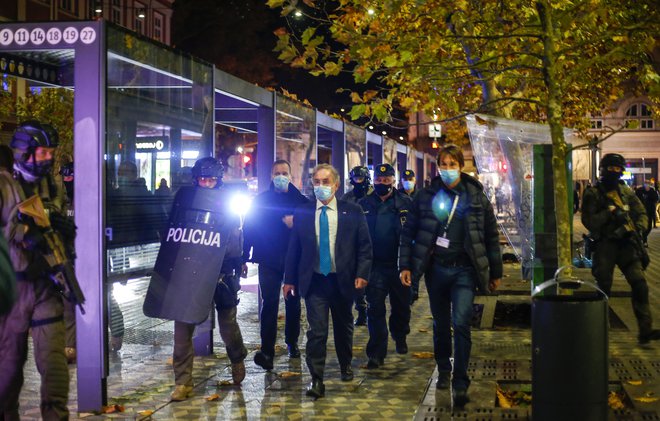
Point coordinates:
[(141, 377)]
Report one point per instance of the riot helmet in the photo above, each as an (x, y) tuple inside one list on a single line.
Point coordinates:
[(612, 160), (27, 138), (207, 168), (360, 178)]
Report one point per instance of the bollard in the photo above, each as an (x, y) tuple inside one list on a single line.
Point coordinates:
[(570, 359)]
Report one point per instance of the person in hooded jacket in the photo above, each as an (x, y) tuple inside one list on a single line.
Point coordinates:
[(266, 231), (451, 237)]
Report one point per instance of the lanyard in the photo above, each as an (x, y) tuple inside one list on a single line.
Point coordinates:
[(451, 216)]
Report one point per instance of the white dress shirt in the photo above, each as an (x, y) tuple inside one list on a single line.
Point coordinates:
[(332, 213)]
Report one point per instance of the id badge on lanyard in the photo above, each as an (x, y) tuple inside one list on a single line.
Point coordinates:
[(443, 241)]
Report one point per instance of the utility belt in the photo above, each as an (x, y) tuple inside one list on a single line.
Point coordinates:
[(454, 261)]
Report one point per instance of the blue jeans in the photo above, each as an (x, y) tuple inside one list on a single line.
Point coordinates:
[(451, 295)]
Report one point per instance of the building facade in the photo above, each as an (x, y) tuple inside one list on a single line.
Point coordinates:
[(150, 18)]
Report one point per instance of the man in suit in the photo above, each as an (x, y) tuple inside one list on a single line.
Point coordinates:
[(329, 257)]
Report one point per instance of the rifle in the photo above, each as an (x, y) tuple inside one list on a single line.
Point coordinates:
[(60, 268)]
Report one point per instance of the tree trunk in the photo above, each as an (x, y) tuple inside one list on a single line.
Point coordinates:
[(559, 146)]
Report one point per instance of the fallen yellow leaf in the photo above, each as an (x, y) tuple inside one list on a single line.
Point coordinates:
[(646, 399), (213, 397), (502, 399), (225, 383), (423, 330), (169, 361), (287, 374), (614, 401), (112, 409), (635, 382), (422, 354), (145, 413)]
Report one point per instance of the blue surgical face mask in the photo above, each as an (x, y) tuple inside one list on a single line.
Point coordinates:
[(408, 185), (449, 176), (281, 182), (323, 192)]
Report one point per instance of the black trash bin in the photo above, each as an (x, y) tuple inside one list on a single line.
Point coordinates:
[(570, 353)]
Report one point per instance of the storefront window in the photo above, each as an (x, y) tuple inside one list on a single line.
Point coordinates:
[(356, 150), (295, 141)]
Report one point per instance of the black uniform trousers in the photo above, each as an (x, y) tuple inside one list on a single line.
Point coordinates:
[(270, 285), (325, 297), (383, 282)]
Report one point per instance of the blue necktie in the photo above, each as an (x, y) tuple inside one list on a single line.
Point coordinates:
[(324, 243)]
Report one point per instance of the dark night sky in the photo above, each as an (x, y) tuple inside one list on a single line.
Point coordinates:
[(237, 36)]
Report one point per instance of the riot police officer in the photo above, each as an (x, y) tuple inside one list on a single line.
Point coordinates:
[(386, 211), (207, 173), (360, 179), (615, 217), (38, 309)]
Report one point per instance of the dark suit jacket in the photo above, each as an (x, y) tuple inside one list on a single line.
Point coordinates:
[(353, 252)]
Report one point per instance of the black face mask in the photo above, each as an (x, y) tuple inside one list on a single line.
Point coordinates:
[(610, 179), (359, 189), (382, 189)]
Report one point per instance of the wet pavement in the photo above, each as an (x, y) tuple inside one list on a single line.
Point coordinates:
[(141, 377)]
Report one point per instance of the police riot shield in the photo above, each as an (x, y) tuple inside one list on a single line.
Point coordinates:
[(190, 257)]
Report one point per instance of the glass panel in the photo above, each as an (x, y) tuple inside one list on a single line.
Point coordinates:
[(159, 120), (389, 152), (295, 140), (356, 150), (504, 156), (632, 111)]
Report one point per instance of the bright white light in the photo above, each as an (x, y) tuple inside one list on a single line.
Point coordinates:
[(371, 127), (298, 13), (189, 154), (124, 293), (239, 149), (162, 155), (240, 203), (384, 132), (370, 11), (400, 137)]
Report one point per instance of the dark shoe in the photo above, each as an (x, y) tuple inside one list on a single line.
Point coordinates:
[(443, 380), (414, 296), (460, 397), (294, 351), (375, 363), (264, 361), (238, 372), (401, 346), (316, 389), (653, 335), (361, 318), (346, 374)]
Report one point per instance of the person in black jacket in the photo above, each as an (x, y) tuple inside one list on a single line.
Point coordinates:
[(386, 211), (360, 179), (451, 237), (266, 230), (649, 198)]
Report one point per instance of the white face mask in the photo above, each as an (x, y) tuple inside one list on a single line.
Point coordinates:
[(281, 182), (408, 185), (323, 192)]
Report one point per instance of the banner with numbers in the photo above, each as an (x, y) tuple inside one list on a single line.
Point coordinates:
[(53, 34)]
